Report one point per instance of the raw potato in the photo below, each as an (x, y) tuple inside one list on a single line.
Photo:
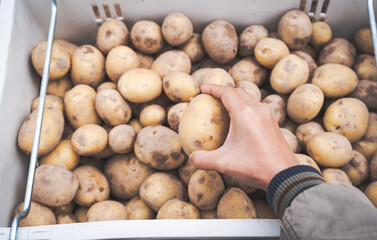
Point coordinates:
[(235, 204), (218, 76), (371, 193), (119, 60), (305, 103), (125, 174), (59, 87), (186, 170), (309, 60), (89, 139), (335, 175), (63, 155), (306, 160), (295, 29), (66, 218), (276, 104), (38, 215), (94, 186), (363, 41), (159, 147), (159, 188), (248, 69), (291, 139), (220, 41), (231, 182), (80, 214), (171, 61), (79, 105), (177, 28), (306, 131), (138, 210), (51, 133), (177, 209), (365, 67), (67, 46), (112, 108), (205, 189), (122, 138), (140, 85), (152, 114), (330, 149), (339, 51), (269, 51), (366, 91), (335, 80), (145, 61), (180, 87), (88, 66), (146, 37), (50, 102), (68, 208), (289, 73), (249, 38), (175, 114), (60, 60), (136, 125), (212, 214), (367, 145), (54, 186), (357, 169), (263, 210), (347, 116), (194, 48), (110, 34), (199, 75), (250, 88), (309, 49), (107, 85), (204, 124), (322, 33), (290, 125), (107, 211)]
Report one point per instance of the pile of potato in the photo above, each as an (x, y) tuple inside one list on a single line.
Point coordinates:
[(122, 117)]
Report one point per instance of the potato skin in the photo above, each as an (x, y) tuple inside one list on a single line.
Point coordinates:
[(186, 170), (177, 209), (180, 87), (335, 175), (231, 182), (38, 215), (107, 85), (249, 38), (306, 131), (145, 61), (339, 51), (62, 155), (137, 210), (119, 60), (50, 102), (357, 168), (59, 87), (212, 214), (269, 51), (80, 214), (309, 60), (248, 69), (110, 34), (54, 186), (363, 41), (65, 218), (146, 36), (235, 204), (218, 76), (89, 139), (122, 138), (367, 145), (67, 46), (306, 160), (371, 193), (204, 124), (171, 61), (291, 140), (322, 33), (277, 106), (365, 67), (194, 48), (222, 35), (263, 210), (177, 28), (107, 211), (373, 168), (366, 91), (175, 114), (251, 88)]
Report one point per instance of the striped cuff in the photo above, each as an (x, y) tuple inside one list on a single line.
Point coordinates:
[(289, 183)]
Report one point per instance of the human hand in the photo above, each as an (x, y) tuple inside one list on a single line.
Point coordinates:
[(254, 150)]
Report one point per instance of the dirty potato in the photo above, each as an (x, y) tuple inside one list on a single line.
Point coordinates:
[(249, 38), (80, 214), (171, 61), (177, 209), (119, 60), (38, 215), (180, 87), (309, 60), (306, 131), (136, 125), (291, 139), (152, 114), (218, 76), (194, 48), (145, 61), (269, 51), (263, 210), (276, 104), (175, 114), (67, 46), (186, 170), (107, 211), (50, 102), (138, 210), (366, 91), (111, 33), (304, 159), (235, 204), (335, 175), (122, 138), (248, 70), (357, 168), (363, 41), (107, 85), (89, 139), (367, 145), (371, 193), (177, 28), (250, 88), (199, 75), (339, 51), (59, 87), (146, 36), (365, 67), (65, 218), (62, 155), (322, 33)]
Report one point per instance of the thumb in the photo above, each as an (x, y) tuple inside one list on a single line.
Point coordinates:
[(206, 160)]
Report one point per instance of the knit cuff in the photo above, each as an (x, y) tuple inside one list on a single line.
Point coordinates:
[(289, 183)]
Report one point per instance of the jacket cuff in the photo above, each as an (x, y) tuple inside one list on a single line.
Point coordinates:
[(289, 183)]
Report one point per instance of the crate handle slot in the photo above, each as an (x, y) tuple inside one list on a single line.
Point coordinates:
[(316, 9)]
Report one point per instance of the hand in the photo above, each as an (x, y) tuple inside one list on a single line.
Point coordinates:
[(254, 150)]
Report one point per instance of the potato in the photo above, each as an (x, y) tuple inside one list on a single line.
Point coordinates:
[(263, 210), (145, 61), (273, 34), (291, 139), (249, 39), (305, 103), (371, 193), (68, 208), (357, 168), (250, 88), (231, 182), (146, 36), (295, 29), (205, 189), (94, 186), (212, 214), (107, 85), (347, 116), (161, 187), (177, 28), (59, 87), (248, 70), (180, 87), (193, 47), (366, 91), (276, 104), (309, 60), (373, 168), (322, 33), (290, 125), (79, 105), (89, 139), (107, 211), (177, 209), (51, 132), (186, 170), (66, 218), (306, 160), (175, 114), (80, 214), (339, 51), (335, 175), (199, 75), (88, 66), (220, 41), (67, 46), (60, 60), (306, 131), (111, 34), (136, 125), (235, 204), (269, 51), (218, 76), (159, 147), (63, 155), (122, 138), (50, 102), (54, 186), (204, 124), (367, 145), (152, 114), (207, 62), (119, 60), (125, 174), (365, 67), (289, 73), (363, 41), (309, 49), (171, 61), (38, 215), (140, 85), (330, 149), (138, 210)]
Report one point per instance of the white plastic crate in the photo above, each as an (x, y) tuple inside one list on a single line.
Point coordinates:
[(24, 23)]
